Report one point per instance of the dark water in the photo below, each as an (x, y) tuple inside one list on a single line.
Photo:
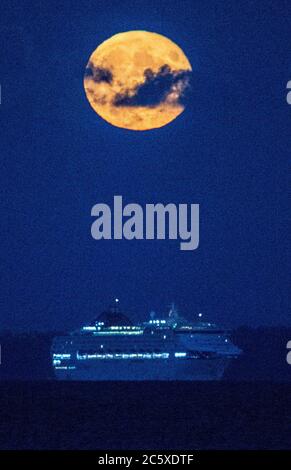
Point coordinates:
[(55, 415)]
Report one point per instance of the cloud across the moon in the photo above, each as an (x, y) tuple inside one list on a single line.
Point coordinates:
[(98, 74), (138, 80), (157, 88)]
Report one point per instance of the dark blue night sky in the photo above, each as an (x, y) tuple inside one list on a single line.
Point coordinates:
[(228, 152)]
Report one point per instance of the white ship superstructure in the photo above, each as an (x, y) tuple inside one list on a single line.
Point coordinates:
[(172, 348)]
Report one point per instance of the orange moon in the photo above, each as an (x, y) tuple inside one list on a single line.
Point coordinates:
[(137, 80)]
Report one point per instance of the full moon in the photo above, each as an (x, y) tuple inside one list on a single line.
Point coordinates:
[(137, 80)]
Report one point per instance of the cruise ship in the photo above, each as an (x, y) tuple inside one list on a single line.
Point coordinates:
[(169, 348)]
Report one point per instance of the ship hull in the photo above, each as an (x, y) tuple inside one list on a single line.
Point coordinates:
[(143, 370)]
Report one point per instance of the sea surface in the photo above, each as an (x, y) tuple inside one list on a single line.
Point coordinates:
[(144, 415)]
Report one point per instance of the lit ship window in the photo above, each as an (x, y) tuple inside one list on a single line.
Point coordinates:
[(88, 355)]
